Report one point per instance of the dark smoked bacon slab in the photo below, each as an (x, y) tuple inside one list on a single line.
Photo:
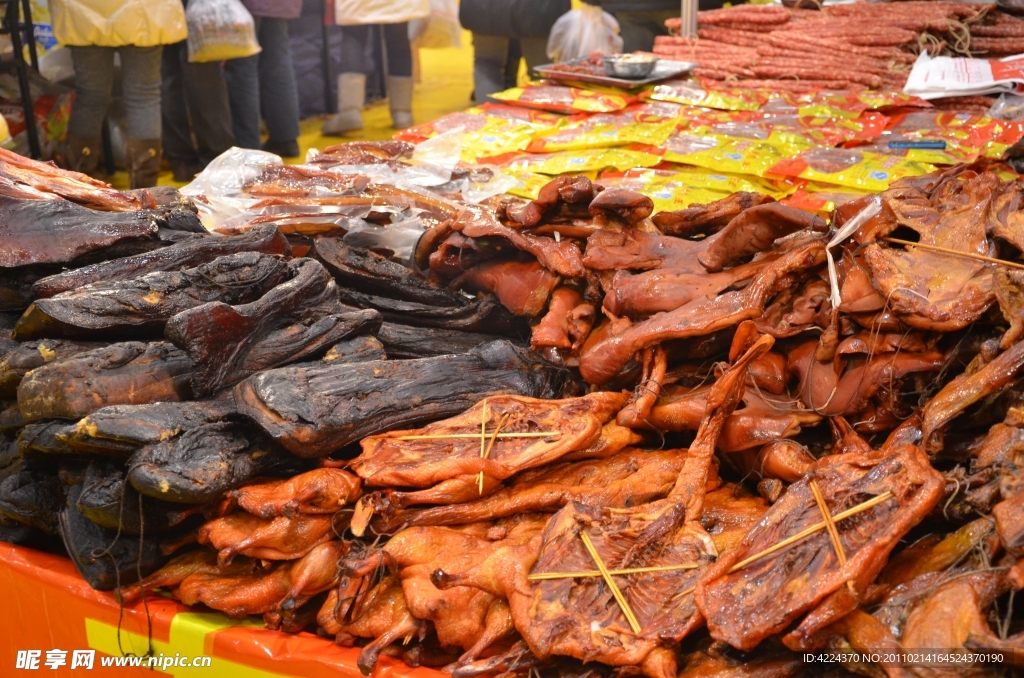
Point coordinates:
[(103, 560), (297, 319), (188, 254), (371, 273), (129, 373), (315, 410), (120, 430), (32, 354), (58, 231), (485, 314), (405, 341), (140, 308), (764, 597), (202, 464)]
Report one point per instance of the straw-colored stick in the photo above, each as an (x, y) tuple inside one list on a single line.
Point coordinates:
[(483, 428), (811, 530), (487, 452), (543, 576), (445, 436), (830, 525), (683, 593), (619, 598), (956, 253), (859, 508)]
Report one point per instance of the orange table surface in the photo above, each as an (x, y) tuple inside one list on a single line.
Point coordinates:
[(48, 606)]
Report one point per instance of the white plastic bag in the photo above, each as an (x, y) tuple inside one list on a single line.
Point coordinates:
[(219, 30), (440, 30), (581, 32)]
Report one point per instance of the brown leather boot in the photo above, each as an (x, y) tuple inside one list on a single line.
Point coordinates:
[(143, 156), (79, 155)]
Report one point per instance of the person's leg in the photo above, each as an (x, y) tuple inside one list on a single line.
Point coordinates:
[(206, 93), (94, 82), (639, 28), (176, 130), (512, 59), (535, 51), (351, 82), (242, 78), (399, 79), (279, 98), (140, 84), (490, 53)]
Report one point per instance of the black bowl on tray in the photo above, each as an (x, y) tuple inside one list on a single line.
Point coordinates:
[(631, 66)]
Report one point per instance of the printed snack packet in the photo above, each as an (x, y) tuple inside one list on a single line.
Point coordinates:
[(669, 190), (648, 123), (849, 167), (724, 182), (712, 96), (576, 162), (562, 99), (821, 198), (736, 155), (487, 130), (529, 184)]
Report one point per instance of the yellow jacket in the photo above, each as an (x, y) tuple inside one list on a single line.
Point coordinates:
[(116, 23)]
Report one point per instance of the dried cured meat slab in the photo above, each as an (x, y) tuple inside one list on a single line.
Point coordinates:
[(188, 254), (141, 307), (449, 450), (764, 597), (297, 319), (120, 430), (130, 373), (202, 464), (315, 410)]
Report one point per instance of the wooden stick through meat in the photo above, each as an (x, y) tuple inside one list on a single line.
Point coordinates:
[(619, 598), (830, 525), (818, 527), (443, 436), (543, 576), (486, 453), (811, 530), (956, 253)]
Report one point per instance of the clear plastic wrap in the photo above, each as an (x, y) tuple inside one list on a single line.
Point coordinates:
[(219, 30), (581, 32)]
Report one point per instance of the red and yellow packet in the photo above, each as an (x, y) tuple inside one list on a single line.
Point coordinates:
[(569, 100), (648, 123)]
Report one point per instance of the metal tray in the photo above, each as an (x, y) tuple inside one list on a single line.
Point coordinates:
[(663, 70)]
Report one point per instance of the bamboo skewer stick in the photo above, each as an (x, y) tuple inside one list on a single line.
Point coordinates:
[(811, 530), (859, 508), (443, 436), (830, 525), (956, 253), (619, 598), (487, 452), (483, 428), (543, 576)]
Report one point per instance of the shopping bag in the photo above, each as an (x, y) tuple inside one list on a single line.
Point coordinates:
[(581, 32), (219, 30), (439, 30)]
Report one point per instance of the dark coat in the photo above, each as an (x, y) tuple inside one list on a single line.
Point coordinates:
[(274, 9), (512, 18)]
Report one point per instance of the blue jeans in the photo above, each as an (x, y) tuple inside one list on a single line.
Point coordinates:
[(264, 83), (94, 86)]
